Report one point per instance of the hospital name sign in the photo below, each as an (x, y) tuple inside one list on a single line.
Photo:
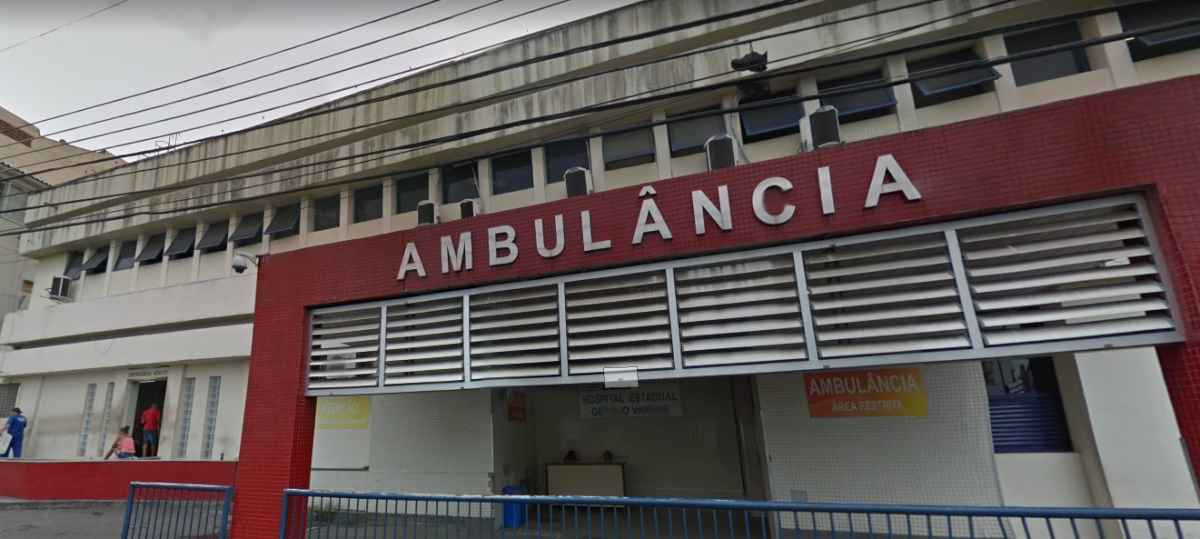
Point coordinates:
[(456, 253)]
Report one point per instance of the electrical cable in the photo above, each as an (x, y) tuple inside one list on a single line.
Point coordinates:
[(302, 116), (61, 26), (946, 70)]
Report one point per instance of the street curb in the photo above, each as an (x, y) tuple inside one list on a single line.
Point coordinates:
[(18, 505)]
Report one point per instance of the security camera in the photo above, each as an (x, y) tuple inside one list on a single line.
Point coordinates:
[(242, 261)]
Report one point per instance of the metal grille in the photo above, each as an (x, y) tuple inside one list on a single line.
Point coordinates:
[(345, 349), (619, 321), (515, 333), (1080, 274), (210, 416), (424, 341), (739, 312), (885, 296), (89, 402)]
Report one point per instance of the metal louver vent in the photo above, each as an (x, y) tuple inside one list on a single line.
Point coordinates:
[(885, 296), (1086, 273), (739, 312), (619, 321), (424, 342), (515, 333), (345, 349)]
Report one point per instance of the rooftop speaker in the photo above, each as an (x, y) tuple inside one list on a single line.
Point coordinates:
[(826, 128), (579, 181), (468, 208), (752, 61), (427, 212), (723, 151)]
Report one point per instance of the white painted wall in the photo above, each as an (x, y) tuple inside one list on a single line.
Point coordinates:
[(513, 450), (695, 455)]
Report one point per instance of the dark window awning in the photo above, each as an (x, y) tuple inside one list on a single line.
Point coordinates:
[(285, 221), (184, 242), (125, 255), (214, 237), (153, 250), (98, 262), (854, 103), (249, 228), (74, 266)]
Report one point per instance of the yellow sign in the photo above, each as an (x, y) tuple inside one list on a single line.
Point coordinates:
[(867, 393), (343, 413)]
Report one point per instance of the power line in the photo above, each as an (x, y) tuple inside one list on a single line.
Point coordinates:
[(955, 68), (61, 26), (329, 110), (230, 67)]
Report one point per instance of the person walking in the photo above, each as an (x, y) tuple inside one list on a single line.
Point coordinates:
[(123, 446), (15, 427), (151, 418)]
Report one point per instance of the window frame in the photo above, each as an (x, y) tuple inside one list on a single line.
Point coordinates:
[(125, 260), (190, 234), (926, 95), (326, 212), (633, 159), (785, 129), (1041, 68), (1149, 46), (209, 241), (684, 125), (409, 180), (881, 108), (452, 182), (549, 150), (285, 222), (153, 251), (517, 182), (239, 237), (359, 212)]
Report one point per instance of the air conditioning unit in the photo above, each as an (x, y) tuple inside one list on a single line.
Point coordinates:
[(468, 208), (723, 151), (579, 181), (825, 126), (60, 288), (427, 213)]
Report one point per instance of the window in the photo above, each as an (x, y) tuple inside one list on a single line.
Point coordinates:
[(8, 396), (1150, 14), (512, 172), (950, 86), (1025, 405), (410, 191), (249, 230), (459, 183), (327, 212), (98, 262), (152, 252), (187, 394), (15, 198), (285, 222), (863, 105), (89, 402), (563, 155), (183, 244), (1050, 66), (629, 149), (210, 416), (688, 136), (125, 255), (771, 121), (74, 265), (214, 238), (368, 203)]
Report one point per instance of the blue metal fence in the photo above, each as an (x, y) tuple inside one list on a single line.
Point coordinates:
[(177, 511), (318, 514)]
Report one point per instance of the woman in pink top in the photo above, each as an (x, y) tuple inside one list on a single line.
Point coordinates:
[(123, 446)]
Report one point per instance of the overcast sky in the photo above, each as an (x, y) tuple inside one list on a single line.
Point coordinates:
[(142, 44)]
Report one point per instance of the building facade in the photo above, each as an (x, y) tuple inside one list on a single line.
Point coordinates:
[(983, 295)]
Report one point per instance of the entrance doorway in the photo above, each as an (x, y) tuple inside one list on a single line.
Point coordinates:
[(147, 393)]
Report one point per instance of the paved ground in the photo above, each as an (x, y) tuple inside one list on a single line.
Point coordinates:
[(60, 520)]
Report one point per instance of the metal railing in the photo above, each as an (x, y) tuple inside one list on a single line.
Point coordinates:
[(318, 514), (177, 510)]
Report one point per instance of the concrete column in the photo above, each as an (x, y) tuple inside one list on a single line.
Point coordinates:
[(733, 124), (1114, 55), (268, 214), (137, 266), (435, 185), (164, 260), (170, 411), (345, 210), (538, 158), (114, 250), (83, 275), (596, 160), (389, 202), (201, 228), (1006, 86), (234, 219), (807, 86), (483, 171), (306, 217), (662, 146), (906, 110)]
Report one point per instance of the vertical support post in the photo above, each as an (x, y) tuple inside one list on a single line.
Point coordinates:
[(466, 337), (381, 354), (673, 314), (806, 313), (227, 504), (964, 289), (563, 357), (283, 517), (128, 511)]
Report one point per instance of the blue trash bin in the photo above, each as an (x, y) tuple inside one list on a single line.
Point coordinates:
[(514, 513)]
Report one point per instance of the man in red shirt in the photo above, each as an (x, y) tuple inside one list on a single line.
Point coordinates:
[(151, 418)]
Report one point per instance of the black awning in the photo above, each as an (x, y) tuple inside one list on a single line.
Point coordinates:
[(98, 262), (125, 255), (184, 242), (153, 250), (214, 237), (286, 220), (249, 228)]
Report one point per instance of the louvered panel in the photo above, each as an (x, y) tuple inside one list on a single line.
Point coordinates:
[(514, 331), (619, 321), (344, 349), (1081, 274), (886, 296), (756, 304), (424, 341)]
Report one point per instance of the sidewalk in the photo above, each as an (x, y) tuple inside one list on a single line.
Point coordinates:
[(26, 519)]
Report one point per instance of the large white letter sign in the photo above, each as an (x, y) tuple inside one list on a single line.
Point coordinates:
[(411, 261), (559, 237), (459, 258), (825, 183), (650, 219), (496, 243), (588, 244), (886, 166), (760, 204), (702, 205)]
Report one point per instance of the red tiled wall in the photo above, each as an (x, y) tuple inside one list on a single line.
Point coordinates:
[(108, 480), (1137, 139)]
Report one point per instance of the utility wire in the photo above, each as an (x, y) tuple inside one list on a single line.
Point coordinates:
[(229, 67), (61, 26), (929, 74), (329, 110)]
